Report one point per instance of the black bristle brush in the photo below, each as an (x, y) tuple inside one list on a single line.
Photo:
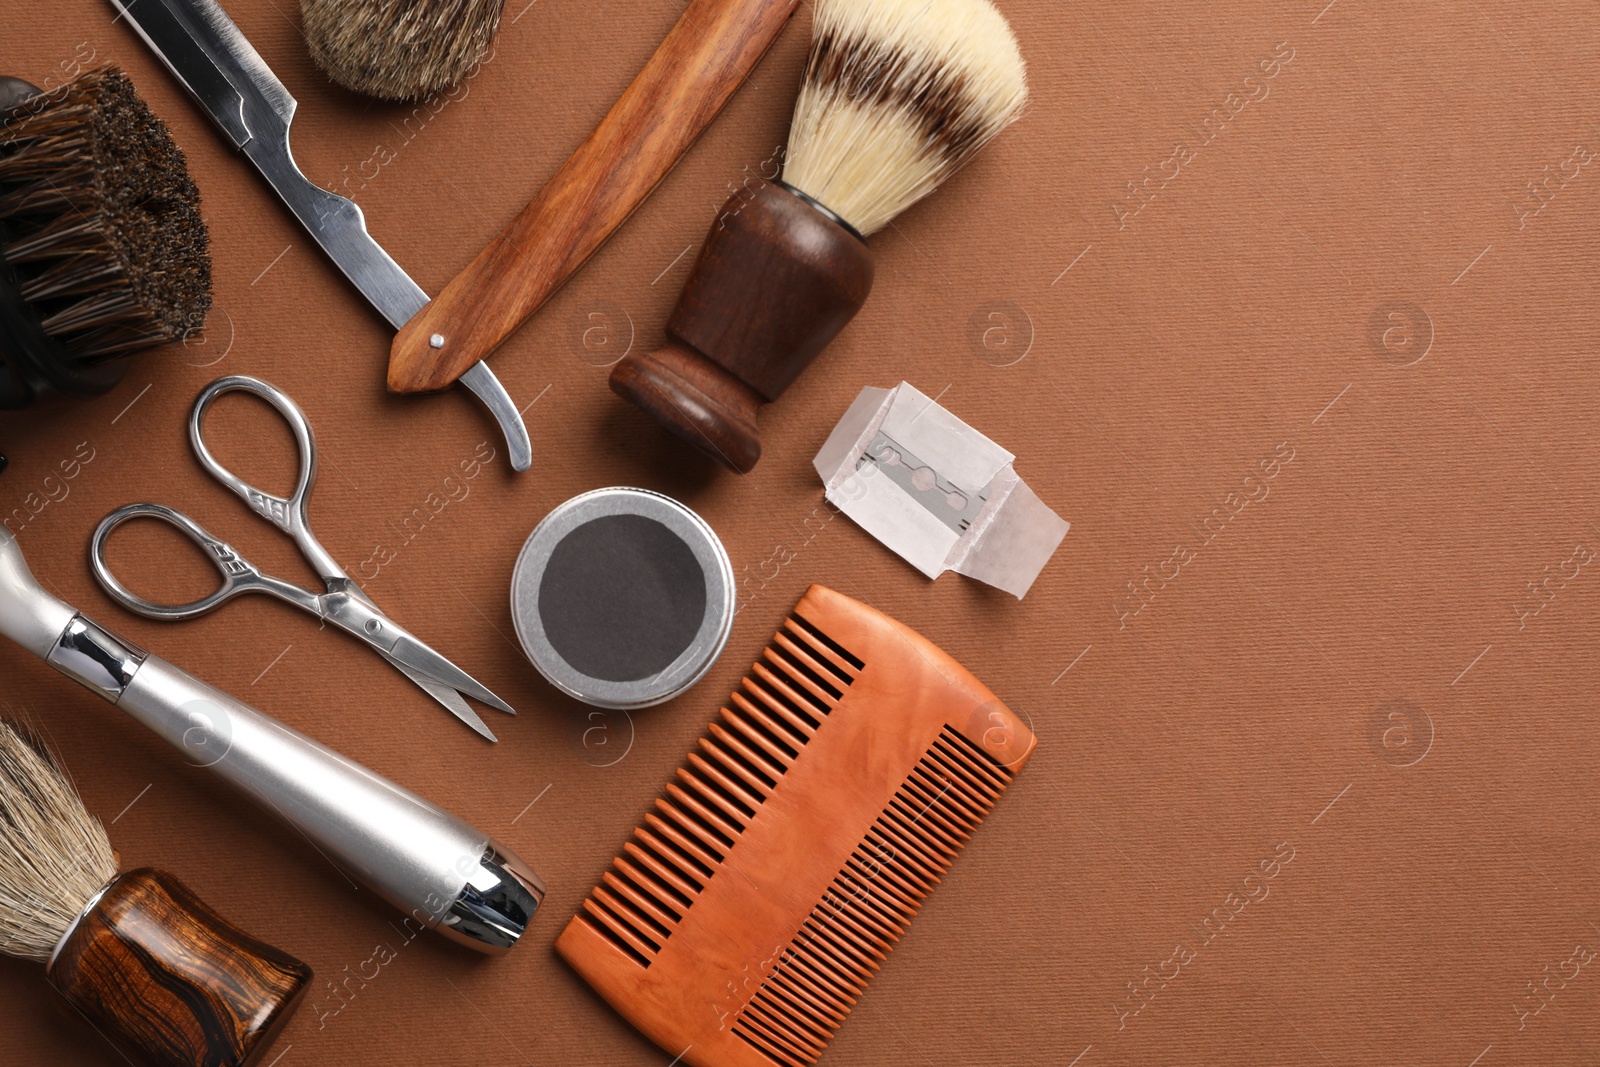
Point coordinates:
[(102, 248)]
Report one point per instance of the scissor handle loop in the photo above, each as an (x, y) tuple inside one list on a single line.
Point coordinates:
[(286, 513), (239, 576)]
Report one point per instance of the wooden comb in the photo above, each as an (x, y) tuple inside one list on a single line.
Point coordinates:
[(746, 915)]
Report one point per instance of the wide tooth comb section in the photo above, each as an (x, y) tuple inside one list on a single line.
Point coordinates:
[(798, 623), (652, 932), (783, 702), (804, 667), (736, 756), (657, 914), (789, 693), (673, 840), (745, 735), (621, 933), (788, 737), (711, 800), (648, 872), (871, 903)]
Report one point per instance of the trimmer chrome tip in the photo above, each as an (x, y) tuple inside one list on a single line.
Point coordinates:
[(496, 904)]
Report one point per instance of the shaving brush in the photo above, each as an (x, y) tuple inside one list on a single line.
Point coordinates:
[(102, 248), (399, 49), (166, 980), (897, 96)]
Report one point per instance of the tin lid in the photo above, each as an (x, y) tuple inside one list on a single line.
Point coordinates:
[(623, 598)]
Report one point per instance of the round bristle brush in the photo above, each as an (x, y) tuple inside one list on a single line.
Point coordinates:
[(897, 96), (399, 49), (151, 967), (102, 248)]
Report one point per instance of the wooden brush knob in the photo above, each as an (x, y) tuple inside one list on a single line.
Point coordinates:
[(171, 983), (778, 278)]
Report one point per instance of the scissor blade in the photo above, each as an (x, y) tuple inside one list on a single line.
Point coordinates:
[(352, 611), (413, 653), (452, 700)]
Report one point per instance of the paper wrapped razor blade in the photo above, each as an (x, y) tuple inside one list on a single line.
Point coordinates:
[(939, 493)]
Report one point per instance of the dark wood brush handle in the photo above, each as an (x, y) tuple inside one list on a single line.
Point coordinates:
[(778, 278), (706, 56), (171, 983)]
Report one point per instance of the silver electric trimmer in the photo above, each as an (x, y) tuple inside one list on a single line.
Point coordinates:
[(430, 864)]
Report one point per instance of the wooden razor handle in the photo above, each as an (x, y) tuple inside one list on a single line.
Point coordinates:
[(777, 279), (706, 56), (171, 983)]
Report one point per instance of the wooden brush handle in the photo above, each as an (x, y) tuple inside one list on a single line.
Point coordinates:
[(705, 57), (775, 282), (171, 983)]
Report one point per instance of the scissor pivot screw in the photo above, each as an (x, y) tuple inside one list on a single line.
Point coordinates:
[(373, 626), (436, 341)]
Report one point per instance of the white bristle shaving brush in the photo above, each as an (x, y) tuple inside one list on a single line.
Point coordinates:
[(158, 973), (399, 49), (898, 95)]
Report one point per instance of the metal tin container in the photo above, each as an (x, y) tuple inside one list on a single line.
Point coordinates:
[(623, 598)]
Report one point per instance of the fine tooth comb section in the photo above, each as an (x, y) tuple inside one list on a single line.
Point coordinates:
[(788, 855)]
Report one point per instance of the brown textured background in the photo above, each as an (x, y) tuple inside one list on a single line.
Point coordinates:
[(1246, 705)]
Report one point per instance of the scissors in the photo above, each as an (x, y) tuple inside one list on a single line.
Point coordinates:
[(343, 604)]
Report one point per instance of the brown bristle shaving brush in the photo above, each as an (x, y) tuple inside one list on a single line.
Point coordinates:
[(399, 49), (102, 248), (158, 973), (897, 96)]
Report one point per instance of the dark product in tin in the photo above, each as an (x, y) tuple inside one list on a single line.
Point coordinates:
[(623, 597)]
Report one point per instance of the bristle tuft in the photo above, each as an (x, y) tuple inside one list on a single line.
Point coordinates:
[(100, 220), (399, 49), (54, 856), (898, 95)]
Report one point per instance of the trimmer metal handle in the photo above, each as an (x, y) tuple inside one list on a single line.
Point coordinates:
[(429, 863)]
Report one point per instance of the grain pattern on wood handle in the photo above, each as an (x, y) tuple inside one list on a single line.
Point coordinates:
[(776, 280), (170, 982), (705, 57)]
